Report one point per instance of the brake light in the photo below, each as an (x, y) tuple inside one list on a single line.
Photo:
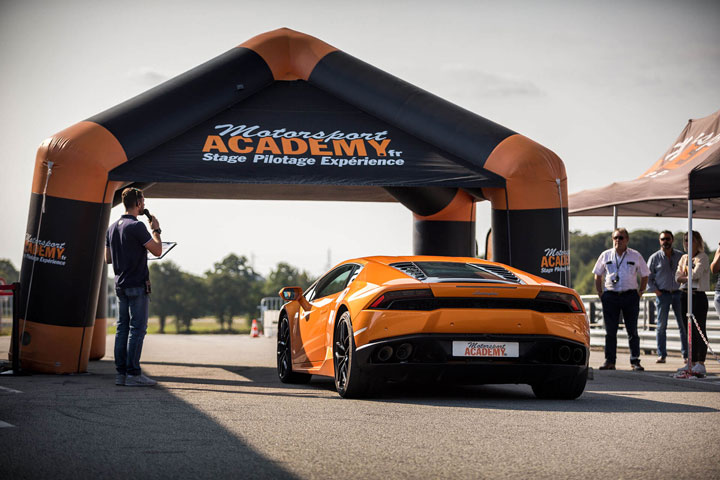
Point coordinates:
[(384, 300), (567, 298)]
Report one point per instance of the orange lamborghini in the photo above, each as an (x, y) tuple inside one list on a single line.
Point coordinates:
[(464, 320)]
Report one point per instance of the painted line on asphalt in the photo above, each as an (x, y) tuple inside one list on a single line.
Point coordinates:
[(9, 390), (5, 425)]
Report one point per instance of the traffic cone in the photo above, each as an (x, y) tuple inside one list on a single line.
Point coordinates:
[(254, 329)]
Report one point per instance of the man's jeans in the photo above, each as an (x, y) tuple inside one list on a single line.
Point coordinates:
[(662, 305), (613, 303), (132, 321)]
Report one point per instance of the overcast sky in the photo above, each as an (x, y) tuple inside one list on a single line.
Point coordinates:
[(607, 86)]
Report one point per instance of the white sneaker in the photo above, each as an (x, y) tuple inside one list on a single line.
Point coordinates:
[(682, 369), (699, 370), (139, 381)]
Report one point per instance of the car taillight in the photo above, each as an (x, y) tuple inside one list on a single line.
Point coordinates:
[(384, 300), (568, 299)]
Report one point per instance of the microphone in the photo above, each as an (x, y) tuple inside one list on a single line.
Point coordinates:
[(146, 212)]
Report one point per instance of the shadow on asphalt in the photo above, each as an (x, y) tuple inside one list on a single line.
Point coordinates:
[(83, 426), (615, 392)]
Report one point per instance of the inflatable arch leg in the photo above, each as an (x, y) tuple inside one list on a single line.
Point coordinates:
[(97, 345), (64, 247), (529, 215), (444, 220)]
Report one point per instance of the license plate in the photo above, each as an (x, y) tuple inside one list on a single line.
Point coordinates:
[(486, 349)]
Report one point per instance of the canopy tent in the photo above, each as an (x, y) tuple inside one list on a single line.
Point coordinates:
[(689, 170)]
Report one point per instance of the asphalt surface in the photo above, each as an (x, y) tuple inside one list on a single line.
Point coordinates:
[(219, 412)]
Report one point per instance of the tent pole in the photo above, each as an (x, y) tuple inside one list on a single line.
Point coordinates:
[(615, 215), (689, 283)]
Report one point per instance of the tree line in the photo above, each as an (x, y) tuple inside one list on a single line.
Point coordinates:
[(231, 289)]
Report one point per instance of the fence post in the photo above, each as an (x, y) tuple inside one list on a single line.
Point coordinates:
[(15, 335), (14, 290)]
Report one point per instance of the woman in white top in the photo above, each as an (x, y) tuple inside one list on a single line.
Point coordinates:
[(715, 268), (700, 283)]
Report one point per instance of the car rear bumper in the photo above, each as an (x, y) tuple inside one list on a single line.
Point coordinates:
[(540, 358)]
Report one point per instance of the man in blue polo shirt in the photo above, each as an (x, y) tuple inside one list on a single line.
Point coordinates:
[(126, 245), (663, 265)]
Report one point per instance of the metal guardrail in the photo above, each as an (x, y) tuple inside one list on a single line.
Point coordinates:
[(646, 325), (6, 312)]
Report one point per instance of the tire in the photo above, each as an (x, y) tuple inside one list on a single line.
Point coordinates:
[(564, 388), (284, 355), (350, 381)]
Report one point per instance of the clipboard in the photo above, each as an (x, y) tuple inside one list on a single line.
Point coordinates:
[(166, 247)]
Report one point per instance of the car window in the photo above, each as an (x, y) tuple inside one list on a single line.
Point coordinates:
[(310, 292), (334, 281)]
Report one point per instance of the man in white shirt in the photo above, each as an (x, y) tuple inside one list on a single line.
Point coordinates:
[(619, 267)]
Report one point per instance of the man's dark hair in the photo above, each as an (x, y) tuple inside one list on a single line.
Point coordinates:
[(667, 232), (131, 196)]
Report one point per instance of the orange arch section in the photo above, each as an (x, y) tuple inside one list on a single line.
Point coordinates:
[(81, 156), (531, 172), (290, 55)]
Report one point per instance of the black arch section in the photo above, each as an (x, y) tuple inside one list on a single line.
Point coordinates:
[(423, 201), (460, 132), (163, 112)]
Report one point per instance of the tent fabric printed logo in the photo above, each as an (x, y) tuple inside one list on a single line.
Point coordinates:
[(684, 152), (252, 144), (554, 260), (44, 251)]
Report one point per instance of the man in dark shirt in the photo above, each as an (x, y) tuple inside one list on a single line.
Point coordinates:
[(126, 245)]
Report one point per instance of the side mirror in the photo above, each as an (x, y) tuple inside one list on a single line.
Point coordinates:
[(292, 294)]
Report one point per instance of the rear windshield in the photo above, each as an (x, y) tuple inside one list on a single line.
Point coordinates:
[(457, 272), (454, 270)]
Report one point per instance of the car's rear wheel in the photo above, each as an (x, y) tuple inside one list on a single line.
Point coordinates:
[(284, 355), (564, 388), (350, 381)]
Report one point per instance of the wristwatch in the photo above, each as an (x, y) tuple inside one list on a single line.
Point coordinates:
[(158, 231)]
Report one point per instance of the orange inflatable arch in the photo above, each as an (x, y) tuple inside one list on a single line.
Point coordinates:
[(281, 116)]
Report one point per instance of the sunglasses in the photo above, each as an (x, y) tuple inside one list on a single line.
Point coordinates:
[(619, 238), (664, 240)]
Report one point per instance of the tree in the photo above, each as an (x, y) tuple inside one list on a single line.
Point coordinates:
[(233, 288), (285, 275), (190, 300), (166, 278), (8, 271)]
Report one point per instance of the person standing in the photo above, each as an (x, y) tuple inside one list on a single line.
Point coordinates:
[(715, 268), (620, 267), (663, 265), (700, 283), (126, 245)]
